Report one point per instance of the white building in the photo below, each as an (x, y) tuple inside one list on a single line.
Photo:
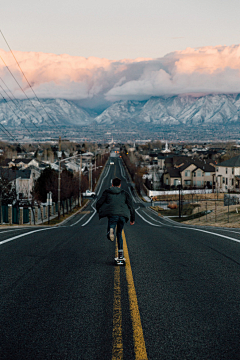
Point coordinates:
[(228, 175)]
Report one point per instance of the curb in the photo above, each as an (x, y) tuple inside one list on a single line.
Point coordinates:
[(80, 210)]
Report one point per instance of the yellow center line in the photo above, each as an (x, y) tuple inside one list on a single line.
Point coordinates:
[(138, 339), (117, 346)]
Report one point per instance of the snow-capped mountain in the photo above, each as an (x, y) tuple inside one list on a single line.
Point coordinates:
[(217, 109), (121, 111), (49, 112), (175, 110)]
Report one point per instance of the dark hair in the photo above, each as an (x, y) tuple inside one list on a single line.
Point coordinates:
[(116, 182)]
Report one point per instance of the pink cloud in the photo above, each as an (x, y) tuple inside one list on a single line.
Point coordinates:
[(202, 70)]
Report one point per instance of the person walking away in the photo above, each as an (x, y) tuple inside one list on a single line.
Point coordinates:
[(116, 204)]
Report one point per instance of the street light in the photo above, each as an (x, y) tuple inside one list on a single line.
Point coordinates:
[(79, 182), (59, 154), (49, 203), (179, 201)]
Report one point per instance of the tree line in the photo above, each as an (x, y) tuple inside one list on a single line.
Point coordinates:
[(136, 173)]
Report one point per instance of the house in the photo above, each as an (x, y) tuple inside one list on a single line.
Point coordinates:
[(23, 163), (5, 163), (161, 161), (228, 175), (72, 166), (204, 175), (172, 177), (194, 173), (22, 180), (153, 156)]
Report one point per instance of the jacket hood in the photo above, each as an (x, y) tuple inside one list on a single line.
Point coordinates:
[(114, 190)]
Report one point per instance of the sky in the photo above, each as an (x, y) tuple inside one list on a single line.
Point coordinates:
[(119, 29), (100, 51)]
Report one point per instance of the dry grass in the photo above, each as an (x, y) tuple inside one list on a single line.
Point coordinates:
[(189, 197), (219, 215)]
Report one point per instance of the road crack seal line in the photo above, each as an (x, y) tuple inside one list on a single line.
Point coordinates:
[(138, 338)]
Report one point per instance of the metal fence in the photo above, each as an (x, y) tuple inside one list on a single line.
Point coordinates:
[(34, 215)]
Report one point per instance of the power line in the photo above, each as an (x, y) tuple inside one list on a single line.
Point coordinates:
[(14, 110), (5, 130), (27, 80), (23, 111), (13, 97), (22, 89), (15, 103)]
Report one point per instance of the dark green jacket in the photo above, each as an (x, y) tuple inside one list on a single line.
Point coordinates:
[(115, 201)]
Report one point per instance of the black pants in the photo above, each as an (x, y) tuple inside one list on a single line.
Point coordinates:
[(118, 221)]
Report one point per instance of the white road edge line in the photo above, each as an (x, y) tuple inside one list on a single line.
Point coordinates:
[(193, 228), (24, 228), (103, 180), (132, 195), (92, 214), (79, 220), (95, 200), (164, 217), (219, 229), (157, 220), (145, 219), (120, 164), (28, 233), (209, 232)]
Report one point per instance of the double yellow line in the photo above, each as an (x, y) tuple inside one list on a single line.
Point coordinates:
[(138, 339)]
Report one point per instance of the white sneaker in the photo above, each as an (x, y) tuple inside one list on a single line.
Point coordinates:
[(111, 234), (120, 261)]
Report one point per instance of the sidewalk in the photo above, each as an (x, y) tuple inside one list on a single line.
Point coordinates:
[(66, 217)]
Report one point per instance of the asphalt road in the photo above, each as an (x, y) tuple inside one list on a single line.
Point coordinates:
[(62, 297)]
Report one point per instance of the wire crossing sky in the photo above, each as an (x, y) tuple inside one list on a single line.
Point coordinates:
[(119, 29)]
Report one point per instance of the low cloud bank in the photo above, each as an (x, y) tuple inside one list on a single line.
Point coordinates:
[(203, 70)]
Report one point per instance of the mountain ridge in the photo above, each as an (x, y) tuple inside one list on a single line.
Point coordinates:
[(212, 109)]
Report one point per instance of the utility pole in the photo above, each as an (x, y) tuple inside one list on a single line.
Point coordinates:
[(95, 157), (179, 201), (80, 174), (215, 211), (91, 176), (59, 175), (228, 207), (49, 203), (1, 215)]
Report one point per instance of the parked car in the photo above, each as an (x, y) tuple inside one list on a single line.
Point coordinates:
[(111, 162), (89, 193)]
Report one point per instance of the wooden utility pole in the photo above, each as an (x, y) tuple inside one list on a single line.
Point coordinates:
[(59, 174), (89, 175), (95, 157), (80, 174), (228, 207)]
